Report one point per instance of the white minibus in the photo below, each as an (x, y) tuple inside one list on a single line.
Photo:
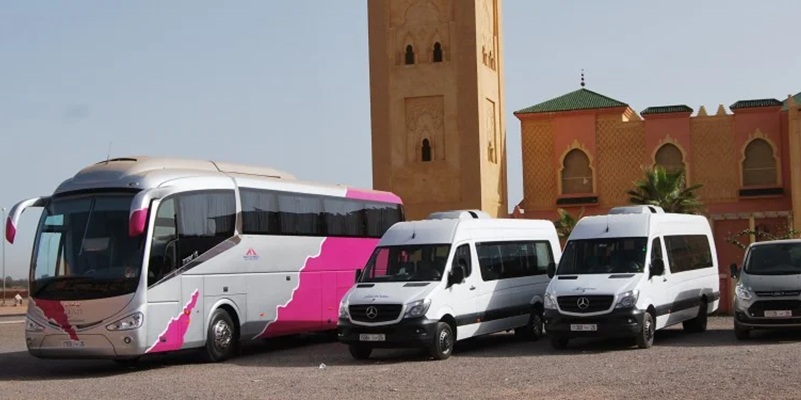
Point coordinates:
[(453, 276), (630, 273)]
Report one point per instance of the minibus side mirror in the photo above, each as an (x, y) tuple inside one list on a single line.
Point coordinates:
[(735, 273), (551, 269), (657, 267), (358, 275), (456, 275)]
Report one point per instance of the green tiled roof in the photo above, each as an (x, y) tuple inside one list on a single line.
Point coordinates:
[(678, 108), (581, 99), (797, 99), (755, 103)]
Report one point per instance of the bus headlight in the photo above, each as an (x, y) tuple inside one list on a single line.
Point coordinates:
[(549, 302), (628, 299), (417, 308), (31, 326), (343, 309), (132, 321)]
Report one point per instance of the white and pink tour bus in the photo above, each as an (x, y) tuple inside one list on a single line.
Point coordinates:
[(145, 255)]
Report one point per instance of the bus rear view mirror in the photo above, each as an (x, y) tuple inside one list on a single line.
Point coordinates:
[(358, 275), (551, 269), (657, 267)]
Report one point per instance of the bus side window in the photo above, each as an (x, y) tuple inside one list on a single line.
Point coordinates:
[(463, 253)]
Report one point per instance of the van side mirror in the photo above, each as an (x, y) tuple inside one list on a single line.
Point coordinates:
[(456, 275), (551, 269), (358, 275), (657, 267), (735, 273)]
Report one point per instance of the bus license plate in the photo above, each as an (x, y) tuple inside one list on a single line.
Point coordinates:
[(372, 337), (72, 344), (583, 327), (778, 313)]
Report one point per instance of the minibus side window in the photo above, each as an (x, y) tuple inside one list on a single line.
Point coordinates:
[(463, 253)]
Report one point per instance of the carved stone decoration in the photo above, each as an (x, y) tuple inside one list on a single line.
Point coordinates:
[(492, 133), (424, 120)]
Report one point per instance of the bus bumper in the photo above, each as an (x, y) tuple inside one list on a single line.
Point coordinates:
[(618, 323), (413, 333)]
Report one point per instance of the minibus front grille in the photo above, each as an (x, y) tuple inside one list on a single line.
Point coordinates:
[(758, 308), (585, 304), (375, 312)]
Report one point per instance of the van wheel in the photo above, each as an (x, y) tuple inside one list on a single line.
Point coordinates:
[(360, 352), (534, 329), (697, 324), (741, 333), (221, 338), (645, 339), (559, 342), (442, 346)]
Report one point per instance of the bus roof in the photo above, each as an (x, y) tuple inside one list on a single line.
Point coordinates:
[(142, 172), (439, 231)]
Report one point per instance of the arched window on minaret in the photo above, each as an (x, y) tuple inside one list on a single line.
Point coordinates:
[(426, 150), (437, 52), (409, 54)]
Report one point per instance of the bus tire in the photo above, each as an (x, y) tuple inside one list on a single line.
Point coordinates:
[(442, 343), (697, 324), (360, 351), (534, 329), (645, 338), (221, 338)]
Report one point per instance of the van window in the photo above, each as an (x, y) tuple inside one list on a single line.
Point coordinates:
[(774, 259), (603, 256), (688, 252), (503, 260), (463, 253), (420, 263)]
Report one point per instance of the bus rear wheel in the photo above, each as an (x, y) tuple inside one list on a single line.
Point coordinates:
[(221, 338)]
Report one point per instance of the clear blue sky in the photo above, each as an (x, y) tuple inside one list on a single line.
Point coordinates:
[(286, 83)]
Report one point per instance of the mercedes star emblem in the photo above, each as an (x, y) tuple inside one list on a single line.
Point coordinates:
[(372, 312), (582, 303)]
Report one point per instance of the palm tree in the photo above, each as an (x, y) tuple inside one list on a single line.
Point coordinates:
[(666, 188), (566, 222)]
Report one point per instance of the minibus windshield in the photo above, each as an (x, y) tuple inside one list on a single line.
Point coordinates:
[(603, 256), (407, 263)]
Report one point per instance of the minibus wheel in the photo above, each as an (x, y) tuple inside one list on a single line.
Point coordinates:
[(645, 339), (360, 352), (697, 324), (442, 346), (534, 329), (221, 338)]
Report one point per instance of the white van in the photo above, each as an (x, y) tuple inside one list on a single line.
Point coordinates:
[(768, 294), (450, 277), (631, 272)]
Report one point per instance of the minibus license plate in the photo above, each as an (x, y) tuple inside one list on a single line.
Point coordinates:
[(583, 327), (778, 313), (372, 337), (72, 344)]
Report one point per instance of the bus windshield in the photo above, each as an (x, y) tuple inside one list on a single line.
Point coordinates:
[(421, 263), (774, 259), (603, 256), (83, 250)]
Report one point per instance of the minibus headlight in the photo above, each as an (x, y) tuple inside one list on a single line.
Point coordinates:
[(32, 326), (417, 308), (628, 299), (549, 302), (343, 309), (743, 293), (132, 321)]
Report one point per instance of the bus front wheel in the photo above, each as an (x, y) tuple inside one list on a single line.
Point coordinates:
[(221, 338)]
